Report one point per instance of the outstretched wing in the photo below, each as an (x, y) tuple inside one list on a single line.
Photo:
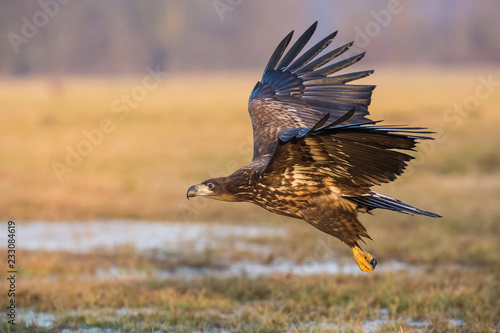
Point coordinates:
[(350, 158), (297, 91), (347, 158)]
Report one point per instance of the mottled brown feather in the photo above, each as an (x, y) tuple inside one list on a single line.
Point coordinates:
[(316, 154)]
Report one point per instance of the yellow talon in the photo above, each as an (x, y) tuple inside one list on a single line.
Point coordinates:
[(365, 261)]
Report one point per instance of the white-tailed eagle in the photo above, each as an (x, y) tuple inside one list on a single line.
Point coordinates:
[(316, 153)]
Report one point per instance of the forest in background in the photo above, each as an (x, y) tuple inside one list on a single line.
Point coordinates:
[(61, 37)]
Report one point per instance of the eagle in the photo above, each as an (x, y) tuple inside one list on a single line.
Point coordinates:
[(316, 153)]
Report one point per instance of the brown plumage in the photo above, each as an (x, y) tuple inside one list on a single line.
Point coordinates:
[(316, 154)]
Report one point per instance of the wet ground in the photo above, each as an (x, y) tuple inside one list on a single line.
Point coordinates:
[(48, 320), (174, 238)]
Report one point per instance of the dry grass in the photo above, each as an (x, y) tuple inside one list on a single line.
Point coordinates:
[(63, 284), (182, 133), (140, 170), (434, 296), (193, 127)]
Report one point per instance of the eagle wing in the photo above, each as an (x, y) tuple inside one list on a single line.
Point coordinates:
[(298, 91), (350, 158)]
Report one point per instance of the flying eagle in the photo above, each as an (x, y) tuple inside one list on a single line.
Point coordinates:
[(316, 153)]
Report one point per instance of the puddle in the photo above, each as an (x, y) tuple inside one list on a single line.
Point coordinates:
[(378, 324), (81, 237), (39, 319), (47, 320), (246, 269), (91, 330), (254, 270)]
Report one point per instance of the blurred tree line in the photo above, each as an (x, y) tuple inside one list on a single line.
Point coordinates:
[(123, 36)]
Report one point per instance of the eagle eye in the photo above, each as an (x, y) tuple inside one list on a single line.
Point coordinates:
[(210, 186)]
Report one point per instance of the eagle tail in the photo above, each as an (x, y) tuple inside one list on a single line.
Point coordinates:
[(374, 200)]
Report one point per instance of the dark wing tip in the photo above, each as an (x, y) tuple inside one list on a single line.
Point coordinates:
[(297, 47), (278, 52)]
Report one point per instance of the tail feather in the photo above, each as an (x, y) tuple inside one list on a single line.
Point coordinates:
[(374, 200)]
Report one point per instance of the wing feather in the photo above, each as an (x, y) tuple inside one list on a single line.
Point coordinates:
[(341, 79), (297, 91), (312, 52), (335, 67), (297, 47), (323, 59), (278, 52), (353, 157)]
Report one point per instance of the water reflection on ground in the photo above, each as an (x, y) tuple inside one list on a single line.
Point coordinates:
[(83, 237)]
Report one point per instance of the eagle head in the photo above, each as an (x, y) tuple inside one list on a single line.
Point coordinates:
[(214, 188)]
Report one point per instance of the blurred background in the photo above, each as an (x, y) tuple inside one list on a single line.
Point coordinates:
[(121, 37), (110, 110), (66, 65)]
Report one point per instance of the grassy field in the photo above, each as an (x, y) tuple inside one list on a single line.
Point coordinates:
[(95, 149)]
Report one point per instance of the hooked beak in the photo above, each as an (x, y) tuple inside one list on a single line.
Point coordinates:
[(192, 192), (196, 190)]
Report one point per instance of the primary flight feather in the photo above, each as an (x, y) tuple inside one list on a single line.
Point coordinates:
[(316, 154)]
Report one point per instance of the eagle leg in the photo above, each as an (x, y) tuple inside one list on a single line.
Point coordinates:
[(365, 261)]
